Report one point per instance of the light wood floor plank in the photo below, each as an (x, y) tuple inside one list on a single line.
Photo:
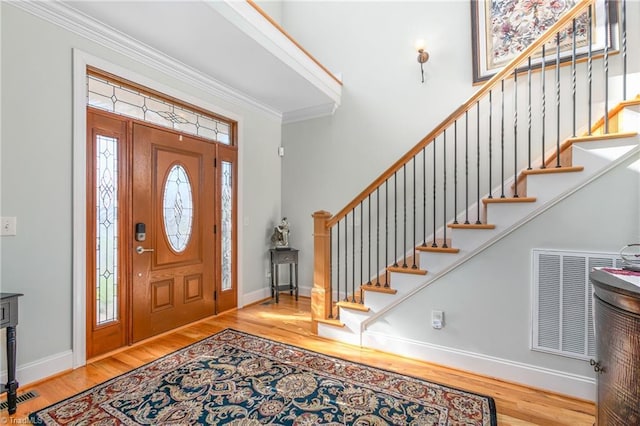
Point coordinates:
[(290, 322)]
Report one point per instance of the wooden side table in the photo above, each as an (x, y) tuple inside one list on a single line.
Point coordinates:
[(9, 320), (289, 257)]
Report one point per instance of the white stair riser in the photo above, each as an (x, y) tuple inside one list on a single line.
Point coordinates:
[(630, 119), (471, 239), (402, 281), (341, 334), (376, 301), (596, 155), (506, 214), (352, 318), (436, 262), (548, 186)]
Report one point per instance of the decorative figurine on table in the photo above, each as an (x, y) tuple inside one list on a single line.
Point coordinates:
[(280, 237)]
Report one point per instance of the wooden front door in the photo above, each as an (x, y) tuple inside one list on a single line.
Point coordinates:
[(173, 201), (161, 230)]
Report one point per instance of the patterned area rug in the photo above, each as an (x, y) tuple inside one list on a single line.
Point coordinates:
[(240, 379)]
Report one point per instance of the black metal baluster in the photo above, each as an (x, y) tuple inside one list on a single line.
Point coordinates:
[(353, 255), (515, 133), (414, 266), (346, 258), (378, 236), (404, 212), (573, 75), (544, 104), (455, 172), (558, 100), (624, 50), (434, 243), (490, 143), (369, 239), (606, 67), (478, 162), (590, 64), (424, 196), (466, 166), (502, 141), (386, 231), (361, 249), (331, 274), (444, 188), (395, 219), (528, 115), (337, 268)]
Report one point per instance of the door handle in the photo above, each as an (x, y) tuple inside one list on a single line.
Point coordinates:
[(141, 249)]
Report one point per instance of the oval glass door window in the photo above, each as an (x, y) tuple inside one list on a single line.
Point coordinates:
[(177, 208)]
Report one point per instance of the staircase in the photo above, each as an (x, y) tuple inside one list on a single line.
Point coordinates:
[(425, 217), (589, 156)]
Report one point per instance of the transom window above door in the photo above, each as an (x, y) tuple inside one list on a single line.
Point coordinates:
[(113, 96)]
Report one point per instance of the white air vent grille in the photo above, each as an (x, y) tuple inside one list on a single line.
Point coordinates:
[(563, 301)]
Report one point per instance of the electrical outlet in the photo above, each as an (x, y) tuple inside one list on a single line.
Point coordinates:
[(437, 319), (8, 226)]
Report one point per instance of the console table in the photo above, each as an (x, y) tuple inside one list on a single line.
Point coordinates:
[(617, 324), (9, 320), (284, 257)]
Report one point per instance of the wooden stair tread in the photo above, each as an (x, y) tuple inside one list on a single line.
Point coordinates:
[(352, 305), (499, 200), (333, 322), (471, 226), (605, 136), (438, 249), (379, 289), (407, 270), (549, 170)]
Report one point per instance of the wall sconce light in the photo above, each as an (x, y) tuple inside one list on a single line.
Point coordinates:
[(423, 56)]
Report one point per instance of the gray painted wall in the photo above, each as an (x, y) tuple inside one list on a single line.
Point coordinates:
[(385, 111), (37, 176), (385, 108)]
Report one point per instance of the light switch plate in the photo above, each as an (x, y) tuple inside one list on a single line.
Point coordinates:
[(8, 226)]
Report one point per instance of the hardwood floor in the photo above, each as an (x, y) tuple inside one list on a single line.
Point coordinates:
[(289, 322)]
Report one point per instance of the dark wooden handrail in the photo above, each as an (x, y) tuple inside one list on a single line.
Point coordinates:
[(509, 69)]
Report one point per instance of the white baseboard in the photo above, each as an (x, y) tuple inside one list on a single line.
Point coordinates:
[(263, 293), (42, 368), (530, 375)]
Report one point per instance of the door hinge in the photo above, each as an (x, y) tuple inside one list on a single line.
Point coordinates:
[(215, 162), (215, 229), (215, 295)]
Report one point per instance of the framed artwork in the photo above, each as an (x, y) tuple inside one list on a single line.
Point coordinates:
[(501, 29)]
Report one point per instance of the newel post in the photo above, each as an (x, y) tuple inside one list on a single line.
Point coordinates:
[(321, 292)]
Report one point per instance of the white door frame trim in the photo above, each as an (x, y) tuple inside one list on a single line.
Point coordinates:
[(81, 60)]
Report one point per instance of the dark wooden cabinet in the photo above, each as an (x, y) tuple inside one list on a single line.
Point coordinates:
[(617, 324)]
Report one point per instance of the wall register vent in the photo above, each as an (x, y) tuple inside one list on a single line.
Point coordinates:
[(563, 301)]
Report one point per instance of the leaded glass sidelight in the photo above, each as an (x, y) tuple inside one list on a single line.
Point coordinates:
[(177, 209), (227, 224), (106, 184)]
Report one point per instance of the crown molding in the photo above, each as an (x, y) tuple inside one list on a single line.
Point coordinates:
[(309, 113), (85, 26)]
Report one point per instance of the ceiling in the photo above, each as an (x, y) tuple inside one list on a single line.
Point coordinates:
[(229, 42)]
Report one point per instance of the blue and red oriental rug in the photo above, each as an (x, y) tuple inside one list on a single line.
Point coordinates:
[(236, 378)]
